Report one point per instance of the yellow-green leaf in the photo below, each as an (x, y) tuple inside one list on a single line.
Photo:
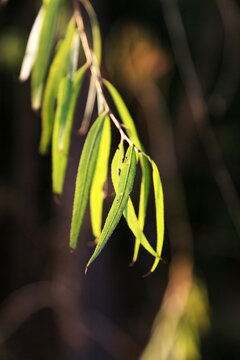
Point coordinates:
[(67, 98), (100, 177), (85, 175), (129, 212), (43, 53), (159, 205), (32, 45), (143, 201), (57, 71), (125, 185), (133, 135)]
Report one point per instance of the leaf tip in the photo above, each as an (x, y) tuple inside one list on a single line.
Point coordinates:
[(56, 198), (147, 274), (132, 263), (86, 269)]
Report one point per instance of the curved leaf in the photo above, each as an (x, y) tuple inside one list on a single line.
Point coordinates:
[(143, 201), (159, 204), (67, 98), (85, 175), (125, 185), (58, 158), (100, 176), (132, 133), (92, 92), (43, 53), (77, 83), (57, 71), (129, 212), (32, 46)]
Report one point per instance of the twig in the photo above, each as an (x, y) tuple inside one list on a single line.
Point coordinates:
[(199, 109), (89, 57)]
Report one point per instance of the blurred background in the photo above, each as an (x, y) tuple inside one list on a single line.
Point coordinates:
[(176, 64)]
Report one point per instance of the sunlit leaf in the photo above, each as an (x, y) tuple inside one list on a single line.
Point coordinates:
[(159, 205), (58, 158), (132, 133), (32, 45), (85, 175), (67, 98), (77, 83), (129, 212), (89, 106), (57, 71), (74, 55), (100, 176), (126, 180), (43, 53)]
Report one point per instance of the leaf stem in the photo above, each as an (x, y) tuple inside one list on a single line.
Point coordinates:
[(89, 57)]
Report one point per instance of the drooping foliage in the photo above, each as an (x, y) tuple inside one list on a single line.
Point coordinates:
[(55, 89)]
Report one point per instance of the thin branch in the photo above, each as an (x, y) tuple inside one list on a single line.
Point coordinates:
[(89, 57)]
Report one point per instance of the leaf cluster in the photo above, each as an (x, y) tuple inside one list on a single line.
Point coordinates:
[(55, 91)]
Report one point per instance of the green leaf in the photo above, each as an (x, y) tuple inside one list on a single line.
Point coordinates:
[(32, 45), (124, 114), (57, 71), (143, 201), (67, 98), (89, 106), (132, 133), (74, 55), (43, 53), (100, 176), (77, 83), (129, 212), (159, 205), (85, 175), (120, 202)]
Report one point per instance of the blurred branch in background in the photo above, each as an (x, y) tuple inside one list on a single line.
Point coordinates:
[(199, 110), (182, 318), (228, 81), (23, 303)]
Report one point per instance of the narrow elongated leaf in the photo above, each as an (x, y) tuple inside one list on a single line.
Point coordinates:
[(77, 83), (32, 45), (67, 98), (129, 212), (64, 100), (159, 204), (100, 176), (85, 175), (132, 133), (59, 158), (124, 114), (89, 106), (143, 201), (43, 53), (73, 63), (120, 202), (57, 71), (116, 167)]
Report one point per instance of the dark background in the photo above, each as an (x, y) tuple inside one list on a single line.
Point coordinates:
[(49, 308)]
